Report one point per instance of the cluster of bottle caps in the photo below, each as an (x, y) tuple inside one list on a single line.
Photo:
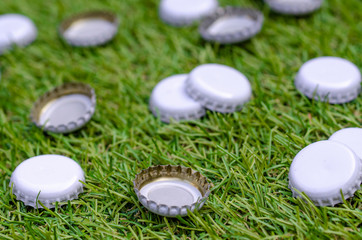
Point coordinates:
[(321, 171), (329, 171)]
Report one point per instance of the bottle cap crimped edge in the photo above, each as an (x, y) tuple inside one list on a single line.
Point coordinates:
[(295, 8), (166, 117), (181, 21), (234, 37), (209, 103), (332, 199), (63, 90), (100, 40), (28, 201), (320, 94), (184, 173)]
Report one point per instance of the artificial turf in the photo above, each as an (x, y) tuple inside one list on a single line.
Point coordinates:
[(246, 154)]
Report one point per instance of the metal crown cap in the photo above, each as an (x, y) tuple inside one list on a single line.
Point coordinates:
[(293, 7), (170, 184), (49, 203), (169, 100), (322, 170), (243, 22), (219, 87), (351, 137), (335, 199), (166, 116), (48, 104), (329, 79), (16, 29), (184, 12), (95, 28), (48, 179)]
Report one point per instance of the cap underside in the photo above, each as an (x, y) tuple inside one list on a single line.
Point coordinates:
[(65, 108), (88, 29), (231, 25), (171, 192)]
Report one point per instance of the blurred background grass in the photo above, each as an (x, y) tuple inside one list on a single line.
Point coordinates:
[(245, 154)]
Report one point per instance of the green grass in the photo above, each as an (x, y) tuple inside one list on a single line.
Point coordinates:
[(245, 154)]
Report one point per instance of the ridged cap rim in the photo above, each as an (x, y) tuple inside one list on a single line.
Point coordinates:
[(99, 40), (320, 94), (60, 91), (180, 21), (211, 104), (336, 198), (293, 8), (152, 173), (234, 37), (184, 116), (29, 201)]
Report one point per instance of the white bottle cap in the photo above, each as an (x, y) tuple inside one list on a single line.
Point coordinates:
[(48, 179), (294, 7), (231, 25), (169, 100), (185, 12), (16, 29), (323, 169), (218, 87), (64, 109), (351, 137), (89, 28), (171, 191), (331, 79)]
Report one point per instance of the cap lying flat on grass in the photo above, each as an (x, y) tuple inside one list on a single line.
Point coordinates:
[(185, 12), (218, 87), (231, 25), (47, 179), (89, 28), (169, 100), (64, 109), (16, 29), (351, 137), (331, 79), (322, 170), (171, 190), (294, 7)]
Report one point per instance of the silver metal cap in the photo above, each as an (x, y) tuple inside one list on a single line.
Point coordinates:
[(329, 79), (65, 108), (171, 190), (16, 29), (323, 170), (231, 25), (294, 7), (185, 12), (89, 28), (219, 87), (47, 179), (169, 100)]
